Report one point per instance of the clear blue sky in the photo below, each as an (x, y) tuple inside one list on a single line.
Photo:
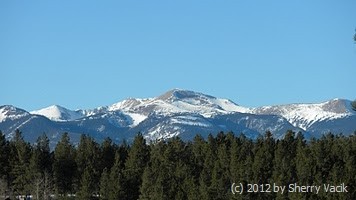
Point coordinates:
[(84, 54)]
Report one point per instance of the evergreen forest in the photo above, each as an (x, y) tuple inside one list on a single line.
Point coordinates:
[(204, 168)]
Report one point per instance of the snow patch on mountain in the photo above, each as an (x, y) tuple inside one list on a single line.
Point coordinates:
[(183, 101), (130, 104), (160, 132), (11, 113), (305, 115), (182, 113), (58, 113), (179, 101), (90, 112), (136, 118), (190, 120), (230, 106), (206, 105)]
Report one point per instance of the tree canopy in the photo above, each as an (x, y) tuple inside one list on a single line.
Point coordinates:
[(176, 169)]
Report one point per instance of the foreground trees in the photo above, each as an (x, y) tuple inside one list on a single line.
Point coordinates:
[(174, 169), (64, 167)]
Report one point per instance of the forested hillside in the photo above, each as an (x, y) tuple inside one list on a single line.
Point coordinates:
[(174, 169)]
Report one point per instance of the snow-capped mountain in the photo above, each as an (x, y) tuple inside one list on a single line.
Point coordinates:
[(305, 115), (180, 101), (8, 112), (58, 113), (179, 113)]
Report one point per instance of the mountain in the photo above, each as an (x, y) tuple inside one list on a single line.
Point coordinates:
[(8, 112), (179, 113), (179, 101), (58, 113), (305, 115)]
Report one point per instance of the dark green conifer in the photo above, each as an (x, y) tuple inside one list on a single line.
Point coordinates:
[(20, 158), (117, 180), (284, 171), (64, 166), (107, 156), (40, 168), (4, 163), (135, 164), (104, 185), (153, 179), (4, 153), (87, 157), (86, 184), (220, 180)]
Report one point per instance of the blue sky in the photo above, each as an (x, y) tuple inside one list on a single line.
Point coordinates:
[(84, 54)]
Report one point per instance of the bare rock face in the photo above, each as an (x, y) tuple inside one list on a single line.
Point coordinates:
[(337, 106)]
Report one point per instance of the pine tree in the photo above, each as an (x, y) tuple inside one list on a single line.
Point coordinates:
[(241, 158), (20, 156), (205, 179), (47, 185), (4, 164), (177, 158), (4, 160), (41, 168), (220, 182), (44, 161), (3, 187), (350, 163), (262, 166), (87, 155), (304, 165), (284, 162), (198, 151), (104, 185), (323, 154), (263, 160), (153, 178), (64, 166), (135, 164), (168, 175), (107, 156), (337, 173), (116, 188), (86, 184)]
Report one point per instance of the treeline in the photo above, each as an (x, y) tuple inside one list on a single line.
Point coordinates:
[(174, 169)]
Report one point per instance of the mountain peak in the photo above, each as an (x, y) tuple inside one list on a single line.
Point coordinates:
[(58, 113), (184, 112), (11, 112), (305, 115), (196, 102), (57, 107), (179, 94), (337, 106)]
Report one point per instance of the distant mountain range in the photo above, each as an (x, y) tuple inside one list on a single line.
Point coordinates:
[(179, 113)]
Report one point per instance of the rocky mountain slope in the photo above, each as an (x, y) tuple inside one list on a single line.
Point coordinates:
[(179, 113)]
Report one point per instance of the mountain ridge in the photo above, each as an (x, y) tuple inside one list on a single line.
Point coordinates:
[(181, 113)]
